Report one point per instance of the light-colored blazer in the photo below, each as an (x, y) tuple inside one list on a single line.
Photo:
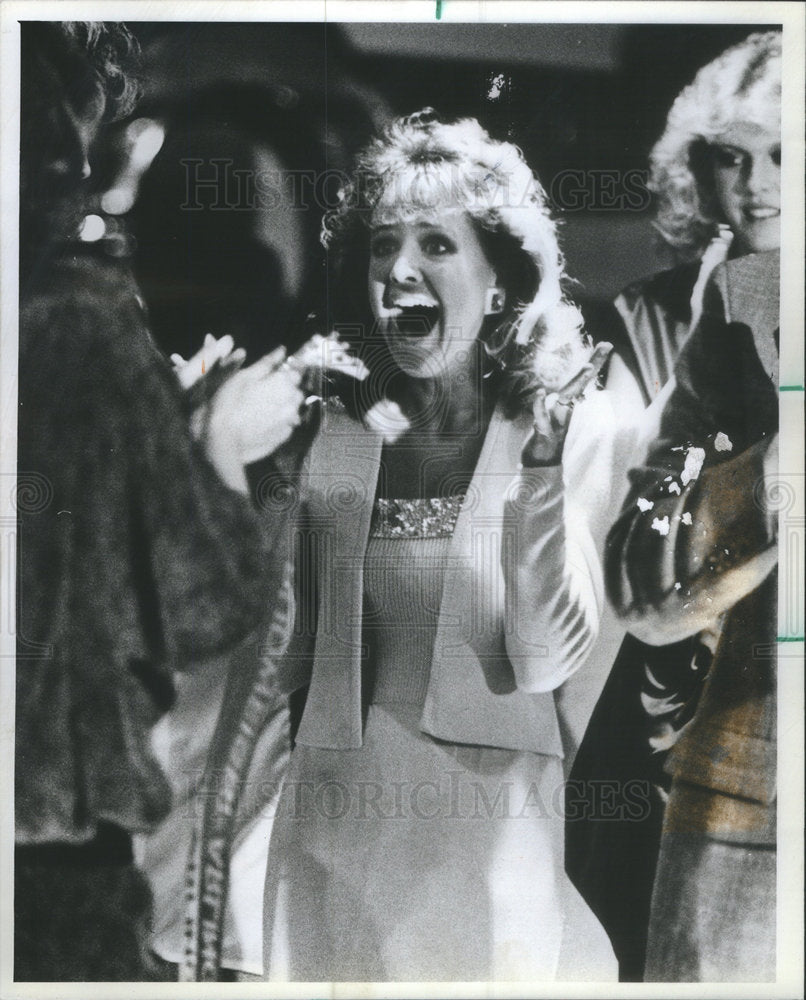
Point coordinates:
[(522, 597)]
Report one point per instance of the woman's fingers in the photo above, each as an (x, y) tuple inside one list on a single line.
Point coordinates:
[(600, 354), (576, 387), (211, 352), (552, 412), (589, 372), (540, 412), (266, 365), (222, 347), (551, 416), (237, 357)]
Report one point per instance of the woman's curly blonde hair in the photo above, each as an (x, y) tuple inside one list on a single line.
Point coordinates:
[(421, 164), (741, 85)]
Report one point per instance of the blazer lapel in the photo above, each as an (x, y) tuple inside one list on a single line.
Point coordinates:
[(472, 697), (343, 475), (753, 293)]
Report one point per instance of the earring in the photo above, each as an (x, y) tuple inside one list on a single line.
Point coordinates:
[(494, 300)]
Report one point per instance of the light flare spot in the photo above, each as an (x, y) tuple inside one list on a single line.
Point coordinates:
[(92, 229)]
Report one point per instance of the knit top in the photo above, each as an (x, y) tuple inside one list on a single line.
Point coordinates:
[(404, 572)]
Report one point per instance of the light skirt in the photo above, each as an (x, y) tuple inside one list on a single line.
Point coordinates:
[(411, 859)]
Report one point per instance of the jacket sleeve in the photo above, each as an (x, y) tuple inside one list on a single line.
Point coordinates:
[(555, 520), (133, 560), (696, 534), (180, 561), (201, 551)]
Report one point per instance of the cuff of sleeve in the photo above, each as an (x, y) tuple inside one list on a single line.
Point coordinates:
[(735, 504), (527, 462)]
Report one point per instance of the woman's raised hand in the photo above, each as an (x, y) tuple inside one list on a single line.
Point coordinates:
[(214, 351), (251, 415), (552, 412)]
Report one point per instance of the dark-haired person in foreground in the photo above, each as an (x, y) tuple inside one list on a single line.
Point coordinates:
[(696, 547), (139, 547)]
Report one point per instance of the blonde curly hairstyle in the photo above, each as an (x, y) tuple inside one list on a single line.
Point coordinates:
[(420, 165), (741, 85)]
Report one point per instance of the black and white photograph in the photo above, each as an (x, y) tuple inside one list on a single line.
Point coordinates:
[(402, 499)]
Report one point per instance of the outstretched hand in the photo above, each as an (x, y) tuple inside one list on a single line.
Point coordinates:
[(251, 415), (552, 412)]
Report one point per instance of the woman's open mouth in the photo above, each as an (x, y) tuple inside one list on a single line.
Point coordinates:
[(757, 213), (414, 320)]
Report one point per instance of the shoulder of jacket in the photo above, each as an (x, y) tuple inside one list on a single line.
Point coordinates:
[(670, 290)]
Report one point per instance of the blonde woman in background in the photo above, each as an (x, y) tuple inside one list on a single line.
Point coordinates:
[(715, 174)]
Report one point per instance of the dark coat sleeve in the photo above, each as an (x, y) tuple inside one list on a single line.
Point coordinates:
[(148, 520), (695, 534), (134, 559)]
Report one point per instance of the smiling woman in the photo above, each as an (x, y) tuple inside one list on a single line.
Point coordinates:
[(733, 107), (715, 174), (449, 583), (747, 184)]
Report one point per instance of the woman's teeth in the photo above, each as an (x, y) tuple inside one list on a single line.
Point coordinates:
[(762, 212)]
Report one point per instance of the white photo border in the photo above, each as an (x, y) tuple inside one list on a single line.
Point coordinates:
[(792, 15)]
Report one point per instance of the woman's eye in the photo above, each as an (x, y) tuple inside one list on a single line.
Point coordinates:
[(726, 157), (775, 155), (437, 246), (382, 247)]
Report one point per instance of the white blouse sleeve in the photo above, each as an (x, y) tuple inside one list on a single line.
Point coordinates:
[(555, 522)]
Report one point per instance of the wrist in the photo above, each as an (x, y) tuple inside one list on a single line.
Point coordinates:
[(531, 461), (200, 422), (221, 448)]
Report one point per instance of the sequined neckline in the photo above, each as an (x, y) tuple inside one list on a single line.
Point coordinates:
[(423, 517)]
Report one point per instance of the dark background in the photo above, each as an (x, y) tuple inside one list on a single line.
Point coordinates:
[(584, 102)]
